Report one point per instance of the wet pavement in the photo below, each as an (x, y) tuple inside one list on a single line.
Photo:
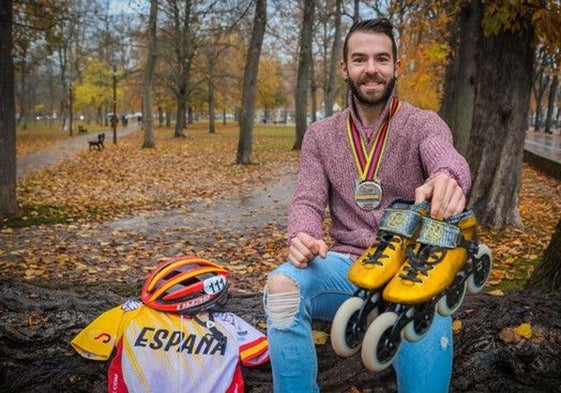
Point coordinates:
[(544, 145)]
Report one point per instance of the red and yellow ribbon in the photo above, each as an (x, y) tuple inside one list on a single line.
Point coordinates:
[(368, 163)]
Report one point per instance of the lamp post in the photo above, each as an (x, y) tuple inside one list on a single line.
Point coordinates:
[(114, 117), (70, 107)]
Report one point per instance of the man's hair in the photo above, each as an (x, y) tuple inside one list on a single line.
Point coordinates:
[(377, 25)]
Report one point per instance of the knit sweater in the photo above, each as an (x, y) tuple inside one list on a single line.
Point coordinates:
[(419, 146)]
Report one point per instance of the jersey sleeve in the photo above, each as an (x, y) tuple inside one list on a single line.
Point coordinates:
[(254, 348), (97, 340)]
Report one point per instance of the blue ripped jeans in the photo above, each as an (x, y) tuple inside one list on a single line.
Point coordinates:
[(424, 366)]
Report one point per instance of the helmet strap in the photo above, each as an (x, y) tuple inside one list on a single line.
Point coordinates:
[(211, 326)]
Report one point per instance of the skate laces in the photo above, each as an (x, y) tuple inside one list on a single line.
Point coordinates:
[(400, 221), (385, 240), (422, 262), (435, 238)]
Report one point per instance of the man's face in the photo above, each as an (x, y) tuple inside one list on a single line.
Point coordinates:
[(370, 68)]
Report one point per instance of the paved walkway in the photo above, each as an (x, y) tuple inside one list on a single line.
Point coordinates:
[(544, 145), (62, 150)]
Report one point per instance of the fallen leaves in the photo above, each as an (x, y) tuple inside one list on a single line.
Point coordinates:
[(513, 335), (129, 208), (457, 326), (516, 251), (320, 338)]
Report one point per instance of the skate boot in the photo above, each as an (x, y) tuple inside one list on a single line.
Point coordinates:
[(435, 277), (399, 226)]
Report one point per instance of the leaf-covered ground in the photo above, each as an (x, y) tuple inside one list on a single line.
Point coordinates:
[(118, 212)]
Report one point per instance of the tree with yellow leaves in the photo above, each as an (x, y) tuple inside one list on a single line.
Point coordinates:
[(497, 40)]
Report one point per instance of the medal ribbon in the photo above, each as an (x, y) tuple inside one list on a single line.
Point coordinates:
[(368, 164)]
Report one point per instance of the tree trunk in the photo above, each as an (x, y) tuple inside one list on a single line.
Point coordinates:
[(38, 322), (504, 70), (551, 103), (211, 99), (8, 195), (539, 85), (313, 93), (547, 275), (184, 49), (303, 78), (180, 122), (543, 81), (149, 77), (247, 112), (459, 88), (334, 61)]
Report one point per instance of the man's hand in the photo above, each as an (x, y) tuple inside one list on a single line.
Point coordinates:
[(303, 248), (444, 194)]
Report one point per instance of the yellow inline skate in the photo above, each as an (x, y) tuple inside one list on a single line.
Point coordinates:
[(399, 227), (447, 261)]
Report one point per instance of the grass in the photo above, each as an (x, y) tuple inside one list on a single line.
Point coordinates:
[(41, 134), (124, 179)]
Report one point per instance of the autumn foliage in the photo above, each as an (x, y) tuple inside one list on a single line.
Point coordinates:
[(120, 211)]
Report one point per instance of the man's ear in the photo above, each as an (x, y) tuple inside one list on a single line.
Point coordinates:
[(343, 70), (397, 67)]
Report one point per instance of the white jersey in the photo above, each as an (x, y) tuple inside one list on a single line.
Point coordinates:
[(165, 352)]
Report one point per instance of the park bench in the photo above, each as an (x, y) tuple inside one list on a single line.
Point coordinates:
[(82, 130), (98, 143)]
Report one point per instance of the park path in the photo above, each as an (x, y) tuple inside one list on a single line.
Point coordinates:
[(63, 150), (544, 145), (248, 210), (238, 213)]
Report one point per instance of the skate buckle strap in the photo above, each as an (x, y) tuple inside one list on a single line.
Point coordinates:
[(439, 233), (400, 221)]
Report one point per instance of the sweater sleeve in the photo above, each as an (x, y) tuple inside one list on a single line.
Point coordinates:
[(307, 210), (438, 154)]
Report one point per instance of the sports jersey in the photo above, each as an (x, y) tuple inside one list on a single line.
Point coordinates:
[(157, 351)]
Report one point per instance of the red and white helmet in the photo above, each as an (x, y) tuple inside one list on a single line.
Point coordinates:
[(185, 285)]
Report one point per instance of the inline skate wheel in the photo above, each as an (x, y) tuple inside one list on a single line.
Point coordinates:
[(347, 330), (454, 296), (421, 323), (380, 346), (483, 265)]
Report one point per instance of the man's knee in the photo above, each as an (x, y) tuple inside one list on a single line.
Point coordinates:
[(282, 301), (279, 283)]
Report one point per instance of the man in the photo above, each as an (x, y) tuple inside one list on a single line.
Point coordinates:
[(346, 164)]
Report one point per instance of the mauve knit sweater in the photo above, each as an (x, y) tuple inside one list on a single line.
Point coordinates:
[(419, 147)]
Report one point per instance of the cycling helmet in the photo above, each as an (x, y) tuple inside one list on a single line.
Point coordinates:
[(185, 285)]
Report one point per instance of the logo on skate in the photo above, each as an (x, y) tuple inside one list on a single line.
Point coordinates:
[(432, 231), (396, 219)]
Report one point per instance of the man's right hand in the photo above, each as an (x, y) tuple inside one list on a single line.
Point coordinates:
[(303, 248)]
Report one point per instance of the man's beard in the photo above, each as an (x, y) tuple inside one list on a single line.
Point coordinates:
[(371, 101)]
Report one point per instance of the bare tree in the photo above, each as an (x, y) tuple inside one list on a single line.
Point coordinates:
[(303, 79), (8, 200), (245, 142), (553, 89), (149, 77), (330, 89), (540, 83)]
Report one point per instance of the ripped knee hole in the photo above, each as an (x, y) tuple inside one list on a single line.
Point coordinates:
[(282, 300)]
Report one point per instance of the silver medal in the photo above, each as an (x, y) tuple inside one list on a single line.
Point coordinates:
[(368, 194)]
